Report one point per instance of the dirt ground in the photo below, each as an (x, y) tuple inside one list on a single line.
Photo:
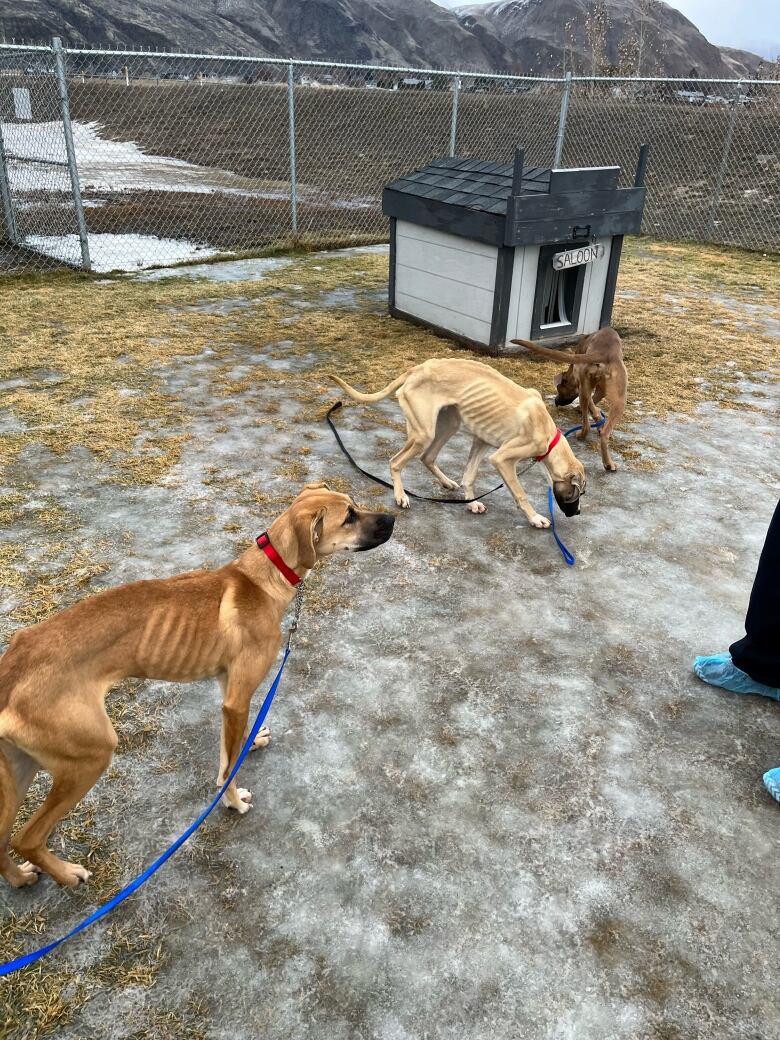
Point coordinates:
[(497, 804), (351, 142)]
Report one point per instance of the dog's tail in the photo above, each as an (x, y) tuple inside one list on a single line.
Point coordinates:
[(560, 355), (380, 395)]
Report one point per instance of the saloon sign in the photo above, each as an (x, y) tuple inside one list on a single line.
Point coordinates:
[(575, 257)]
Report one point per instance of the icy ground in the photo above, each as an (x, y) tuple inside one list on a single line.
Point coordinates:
[(498, 804)]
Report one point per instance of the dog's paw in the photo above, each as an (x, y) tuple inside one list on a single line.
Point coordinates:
[(241, 801), (263, 738), (402, 501), (582, 435), (537, 520), (449, 484), (71, 874), (476, 507), (611, 466), (24, 874), (245, 799)]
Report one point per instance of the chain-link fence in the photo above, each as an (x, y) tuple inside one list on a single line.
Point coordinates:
[(117, 160)]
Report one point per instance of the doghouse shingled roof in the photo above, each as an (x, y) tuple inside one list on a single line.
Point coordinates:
[(474, 199), (469, 182)]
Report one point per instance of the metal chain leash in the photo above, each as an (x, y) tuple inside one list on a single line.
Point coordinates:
[(297, 607)]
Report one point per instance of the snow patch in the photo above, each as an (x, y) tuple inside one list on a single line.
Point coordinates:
[(121, 252), (111, 165)]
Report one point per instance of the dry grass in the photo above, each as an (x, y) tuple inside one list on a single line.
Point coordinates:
[(84, 368), (88, 357), (40, 1000), (45, 593)]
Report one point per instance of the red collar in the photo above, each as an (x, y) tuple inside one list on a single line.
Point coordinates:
[(264, 544), (550, 446)]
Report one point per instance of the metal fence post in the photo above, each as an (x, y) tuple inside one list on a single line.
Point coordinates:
[(291, 126), (67, 129), (454, 121), (562, 117), (6, 199), (724, 164)]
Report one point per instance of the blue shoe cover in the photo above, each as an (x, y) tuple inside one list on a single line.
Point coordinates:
[(720, 670), (772, 783)]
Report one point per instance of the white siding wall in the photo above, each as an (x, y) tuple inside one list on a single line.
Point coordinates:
[(593, 289), (521, 298), (444, 279)]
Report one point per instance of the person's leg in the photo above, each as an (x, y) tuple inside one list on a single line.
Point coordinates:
[(758, 653), (752, 664)]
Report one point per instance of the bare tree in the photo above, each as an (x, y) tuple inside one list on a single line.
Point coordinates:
[(647, 14), (597, 24), (569, 48), (640, 48)]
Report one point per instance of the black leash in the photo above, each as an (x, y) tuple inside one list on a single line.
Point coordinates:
[(385, 483)]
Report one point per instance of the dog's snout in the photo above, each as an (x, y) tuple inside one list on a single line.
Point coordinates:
[(569, 504), (377, 529), (384, 524)]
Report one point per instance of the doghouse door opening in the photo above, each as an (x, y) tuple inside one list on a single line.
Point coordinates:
[(558, 296)]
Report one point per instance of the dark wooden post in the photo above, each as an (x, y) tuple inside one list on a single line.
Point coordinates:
[(505, 261), (517, 173), (641, 166), (617, 246), (517, 188)]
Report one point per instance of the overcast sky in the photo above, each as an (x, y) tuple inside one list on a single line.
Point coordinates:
[(751, 24)]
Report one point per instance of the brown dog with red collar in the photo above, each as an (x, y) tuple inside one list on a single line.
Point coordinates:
[(596, 371), (223, 623)]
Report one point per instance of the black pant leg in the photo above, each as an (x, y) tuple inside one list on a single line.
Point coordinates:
[(758, 654)]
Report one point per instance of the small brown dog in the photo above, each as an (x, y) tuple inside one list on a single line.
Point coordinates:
[(596, 371), (224, 623)]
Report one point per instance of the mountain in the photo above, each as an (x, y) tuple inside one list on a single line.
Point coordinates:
[(635, 37), (527, 36), (396, 32), (746, 64)]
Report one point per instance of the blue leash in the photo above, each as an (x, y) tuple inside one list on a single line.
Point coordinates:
[(30, 958), (568, 557), (121, 896), (593, 426)]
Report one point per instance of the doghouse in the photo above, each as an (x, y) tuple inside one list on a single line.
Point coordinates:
[(487, 251)]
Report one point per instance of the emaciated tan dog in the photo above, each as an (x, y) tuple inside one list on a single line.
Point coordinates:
[(225, 623), (439, 394), (596, 371)]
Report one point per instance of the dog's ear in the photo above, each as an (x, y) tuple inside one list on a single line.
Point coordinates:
[(308, 531), (317, 486), (558, 379)]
